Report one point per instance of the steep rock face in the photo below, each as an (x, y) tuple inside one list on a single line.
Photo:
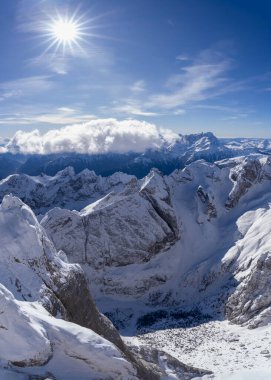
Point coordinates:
[(243, 176), (119, 229), (250, 262), (32, 270), (156, 190), (29, 264), (207, 205), (47, 315), (205, 146)]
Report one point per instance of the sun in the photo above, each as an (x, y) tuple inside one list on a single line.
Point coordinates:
[(65, 31)]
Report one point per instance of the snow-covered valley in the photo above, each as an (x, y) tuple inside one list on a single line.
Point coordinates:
[(229, 351), (179, 263)]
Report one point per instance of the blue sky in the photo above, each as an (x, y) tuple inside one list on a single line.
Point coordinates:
[(187, 65)]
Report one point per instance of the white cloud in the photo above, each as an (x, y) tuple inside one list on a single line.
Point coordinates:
[(93, 137)]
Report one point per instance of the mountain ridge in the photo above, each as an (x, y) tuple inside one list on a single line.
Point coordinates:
[(168, 157)]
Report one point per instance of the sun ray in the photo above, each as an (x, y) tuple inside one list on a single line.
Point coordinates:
[(65, 32)]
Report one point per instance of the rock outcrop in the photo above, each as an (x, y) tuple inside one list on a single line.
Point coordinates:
[(120, 229), (250, 262), (66, 189), (47, 312)]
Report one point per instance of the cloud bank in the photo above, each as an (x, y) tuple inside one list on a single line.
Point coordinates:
[(94, 137)]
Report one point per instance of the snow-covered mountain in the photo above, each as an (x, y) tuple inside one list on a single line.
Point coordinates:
[(66, 189), (195, 242), (49, 325), (168, 157), (36, 287), (162, 239)]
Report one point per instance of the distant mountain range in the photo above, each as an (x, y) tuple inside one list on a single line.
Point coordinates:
[(168, 157)]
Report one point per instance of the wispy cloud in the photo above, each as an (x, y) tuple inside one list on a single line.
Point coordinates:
[(183, 57), (235, 117), (197, 82), (200, 79), (130, 107), (179, 112), (58, 64), (226, 112), (61, 116), (216, 107), (25, 86), (138, 87)]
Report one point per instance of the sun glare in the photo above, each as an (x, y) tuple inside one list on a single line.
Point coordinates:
[(68, 33), (65, 31)]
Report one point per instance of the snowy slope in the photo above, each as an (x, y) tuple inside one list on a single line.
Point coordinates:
[(32, 338), (33, 271), (160, 207), (29, 264), (49, 324), (196, 238), (161, 240)]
